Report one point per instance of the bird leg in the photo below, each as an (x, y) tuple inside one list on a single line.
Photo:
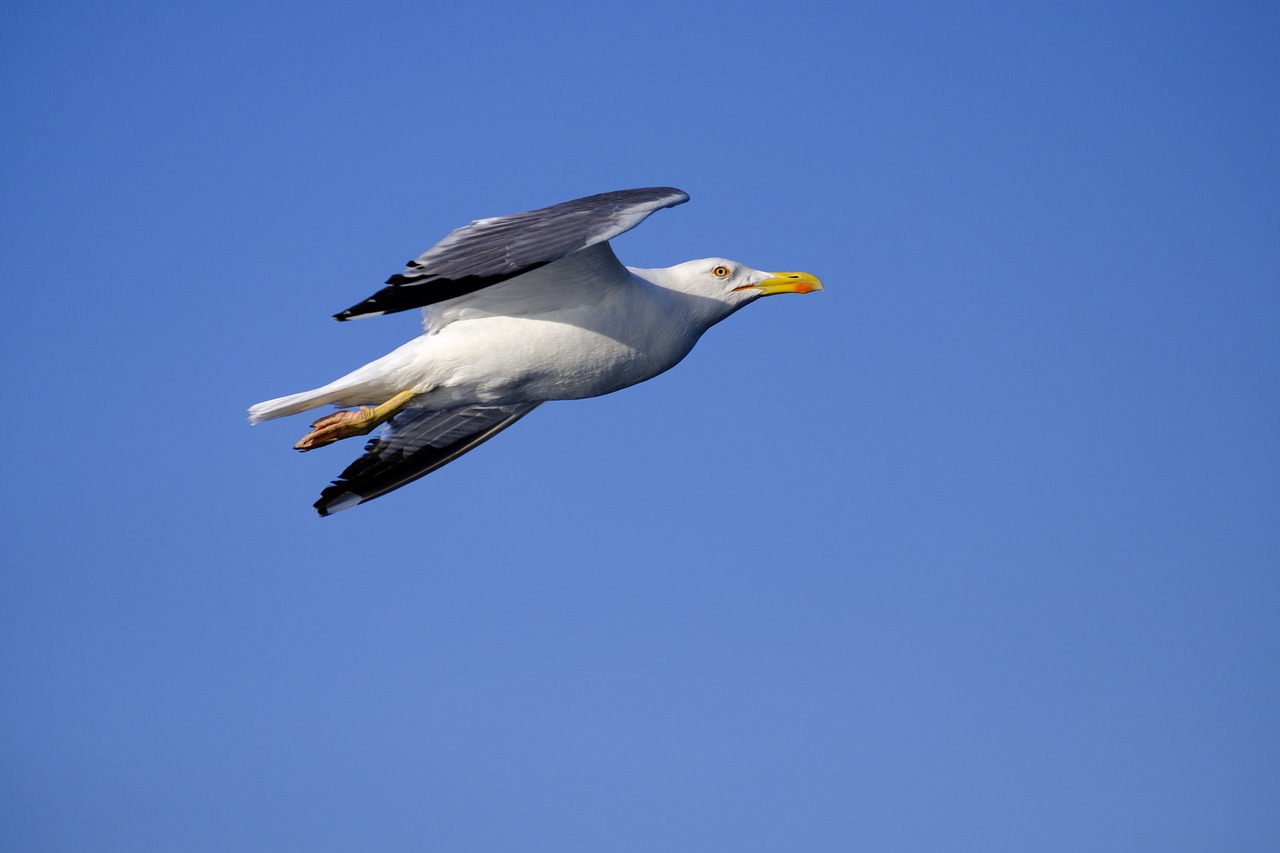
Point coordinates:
[(351, 422)]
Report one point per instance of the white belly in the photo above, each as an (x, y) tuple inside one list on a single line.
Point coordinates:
[(511, 359)]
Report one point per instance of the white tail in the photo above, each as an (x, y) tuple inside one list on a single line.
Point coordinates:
[(293, 404), (365, 386)]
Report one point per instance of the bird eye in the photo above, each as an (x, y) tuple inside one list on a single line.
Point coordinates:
[(721, 271)]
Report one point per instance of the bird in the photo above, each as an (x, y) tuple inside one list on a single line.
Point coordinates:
[(517, 311)]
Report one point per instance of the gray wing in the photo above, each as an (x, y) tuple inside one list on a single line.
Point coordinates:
[(416, 443), (489, 251)]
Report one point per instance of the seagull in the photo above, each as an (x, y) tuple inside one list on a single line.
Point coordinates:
[(517, 310)]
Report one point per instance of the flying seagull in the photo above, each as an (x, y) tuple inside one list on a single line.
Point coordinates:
[(517, 310)]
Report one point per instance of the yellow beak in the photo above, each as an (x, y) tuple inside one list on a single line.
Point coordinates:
[(786, 282)]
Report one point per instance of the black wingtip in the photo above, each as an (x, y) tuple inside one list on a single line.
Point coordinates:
[(335, 499), (338, 495), (404, 293), (357, 312)]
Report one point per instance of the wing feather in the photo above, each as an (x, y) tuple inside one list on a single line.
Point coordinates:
[(489, 251), (416, 443)]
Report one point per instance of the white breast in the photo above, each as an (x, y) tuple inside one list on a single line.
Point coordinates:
[(566, 353)]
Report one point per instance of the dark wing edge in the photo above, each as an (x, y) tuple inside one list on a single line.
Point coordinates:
[(489, 251), (415, 445)]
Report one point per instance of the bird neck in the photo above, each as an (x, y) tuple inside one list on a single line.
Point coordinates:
[(698, 311)]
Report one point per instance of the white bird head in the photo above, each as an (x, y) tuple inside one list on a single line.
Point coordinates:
[(732, 283)]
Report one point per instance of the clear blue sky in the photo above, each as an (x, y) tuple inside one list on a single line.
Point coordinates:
[(977, 550)]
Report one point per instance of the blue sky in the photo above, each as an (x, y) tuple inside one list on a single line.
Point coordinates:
[(976, 550)]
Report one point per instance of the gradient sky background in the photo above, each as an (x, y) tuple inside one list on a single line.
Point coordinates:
[(977, 550)]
